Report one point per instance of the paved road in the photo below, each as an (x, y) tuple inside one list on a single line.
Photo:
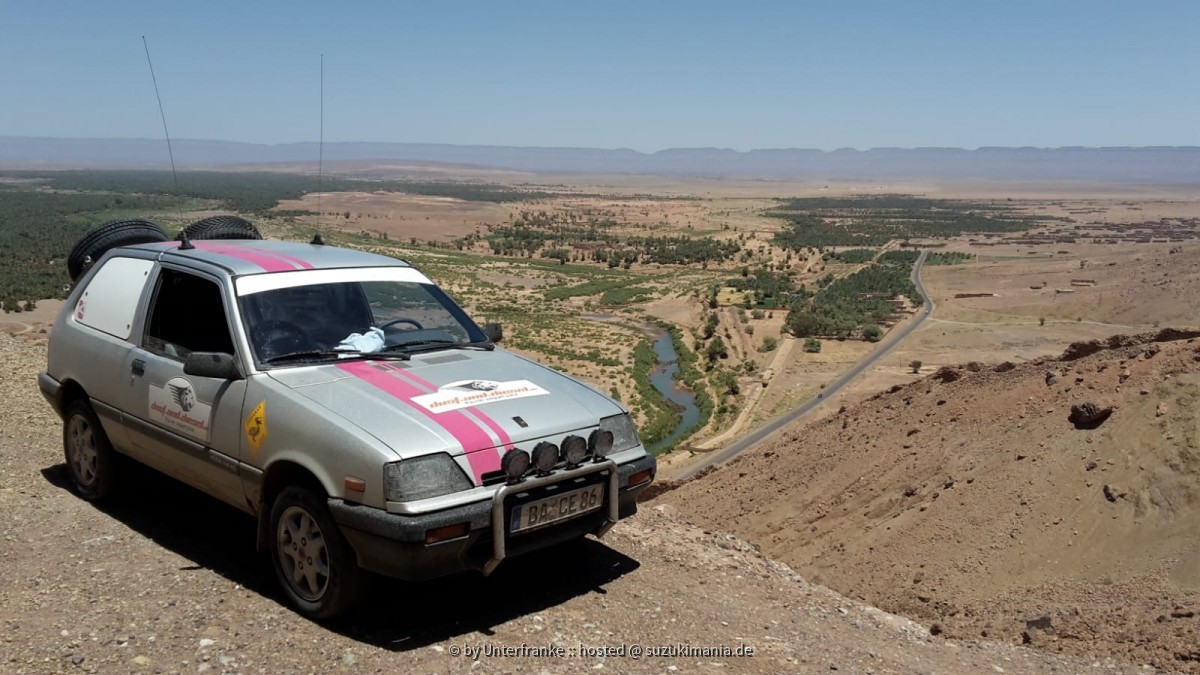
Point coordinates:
[(758, 435)]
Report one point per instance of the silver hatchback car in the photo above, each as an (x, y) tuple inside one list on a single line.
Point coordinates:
[(344, 400)]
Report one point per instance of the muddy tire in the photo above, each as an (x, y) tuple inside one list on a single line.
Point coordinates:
[(89, 455), (95, 242), (221, 227), (314, 563)]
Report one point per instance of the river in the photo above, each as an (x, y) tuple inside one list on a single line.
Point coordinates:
[(663, 378)]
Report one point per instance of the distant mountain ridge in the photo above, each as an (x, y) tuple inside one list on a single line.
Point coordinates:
[(1162, 164)]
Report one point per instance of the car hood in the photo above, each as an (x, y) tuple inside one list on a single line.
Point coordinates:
[(460, 401)]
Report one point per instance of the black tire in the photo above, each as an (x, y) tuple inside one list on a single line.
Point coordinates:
[(221, 227), (96, 241), (89, 455), (323, 593)]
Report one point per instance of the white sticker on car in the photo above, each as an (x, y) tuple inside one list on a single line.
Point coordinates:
[(177, 407), (470, 393)]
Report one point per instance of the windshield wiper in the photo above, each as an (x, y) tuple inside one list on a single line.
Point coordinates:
[(326, 353), (439, 343)]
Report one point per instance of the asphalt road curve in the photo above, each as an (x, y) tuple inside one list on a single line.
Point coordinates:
[(762, 433)]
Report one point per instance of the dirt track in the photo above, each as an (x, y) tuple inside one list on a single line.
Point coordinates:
[(163, 579)]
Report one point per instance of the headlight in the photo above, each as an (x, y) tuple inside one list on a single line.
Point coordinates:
[(423, 477), (624, 433)]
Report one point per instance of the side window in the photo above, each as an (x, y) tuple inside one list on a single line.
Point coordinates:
[(187, 316), (111, 298)]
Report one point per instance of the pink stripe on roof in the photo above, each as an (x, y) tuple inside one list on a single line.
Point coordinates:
[(283, 256), (261, 258), (465, 431)]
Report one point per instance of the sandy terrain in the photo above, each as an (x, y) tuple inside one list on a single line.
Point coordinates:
[(164, 579), (976, 505), (399, 216)]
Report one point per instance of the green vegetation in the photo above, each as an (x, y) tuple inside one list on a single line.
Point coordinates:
[(812, 345), (590, 235), (872, 220), (38, 229), (949, 258), (856, 303), (916, 366), (854, 256), (256, 192), (766, 288), (625, 295)]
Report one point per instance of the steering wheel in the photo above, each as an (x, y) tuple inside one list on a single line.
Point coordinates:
[(393, 322), (276, 336)]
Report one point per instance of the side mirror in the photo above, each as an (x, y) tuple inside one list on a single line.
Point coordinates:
[(493, 331), (212, 364)]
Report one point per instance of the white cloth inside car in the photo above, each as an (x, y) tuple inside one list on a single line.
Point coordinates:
[(371, 341)]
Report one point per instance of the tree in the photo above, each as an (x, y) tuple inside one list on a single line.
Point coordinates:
[(916, 366), (768, 344), (716, 349), (1042, 321), (812, 345), (872, 333)]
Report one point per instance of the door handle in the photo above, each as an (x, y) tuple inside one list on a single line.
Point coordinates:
[(139, 367)]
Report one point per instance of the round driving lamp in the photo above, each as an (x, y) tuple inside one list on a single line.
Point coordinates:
[(574, 450), (600, 442), (514, 464), (545, 456)]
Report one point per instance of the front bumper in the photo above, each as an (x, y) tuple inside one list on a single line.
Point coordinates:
[(394, 545)]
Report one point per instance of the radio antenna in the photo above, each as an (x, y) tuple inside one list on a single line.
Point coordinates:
[(321, 147), (163, 115)]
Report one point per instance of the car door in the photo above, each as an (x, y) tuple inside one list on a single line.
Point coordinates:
[(184, 425)]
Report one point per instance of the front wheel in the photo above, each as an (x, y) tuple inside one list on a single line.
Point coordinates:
[(89, 455), (315, 565)]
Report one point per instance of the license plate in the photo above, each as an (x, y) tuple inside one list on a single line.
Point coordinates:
[(556, 508)]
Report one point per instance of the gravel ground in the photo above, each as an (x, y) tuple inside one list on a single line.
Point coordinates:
[(162, 579)]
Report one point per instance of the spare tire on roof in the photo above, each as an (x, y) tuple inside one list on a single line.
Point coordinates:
[(96, 241), (221, 227)]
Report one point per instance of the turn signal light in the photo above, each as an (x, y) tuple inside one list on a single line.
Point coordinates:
[(446, 533), (641, 477)]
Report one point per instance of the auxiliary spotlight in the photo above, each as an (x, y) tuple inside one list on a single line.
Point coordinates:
[(574, 450), (600, 442), (514, 464), (545, 456)]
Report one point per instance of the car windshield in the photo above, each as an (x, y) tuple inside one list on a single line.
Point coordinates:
[(371, 318)]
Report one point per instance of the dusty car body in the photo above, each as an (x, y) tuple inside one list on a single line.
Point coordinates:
[(341, 398)]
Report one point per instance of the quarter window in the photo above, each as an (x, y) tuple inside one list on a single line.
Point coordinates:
[(110, 300)]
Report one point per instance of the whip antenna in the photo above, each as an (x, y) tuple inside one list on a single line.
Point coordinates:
[(321, 146), (170, 153)]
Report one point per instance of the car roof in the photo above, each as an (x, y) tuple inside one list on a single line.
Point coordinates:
[(258, 256)]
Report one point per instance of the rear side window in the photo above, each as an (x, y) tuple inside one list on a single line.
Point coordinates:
[(110, 300), (187, 316)]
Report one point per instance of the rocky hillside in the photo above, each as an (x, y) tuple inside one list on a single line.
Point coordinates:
[(163, 579), (1054, 503)]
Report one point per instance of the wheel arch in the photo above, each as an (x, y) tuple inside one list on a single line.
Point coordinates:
[(69, 390), (278, 476)]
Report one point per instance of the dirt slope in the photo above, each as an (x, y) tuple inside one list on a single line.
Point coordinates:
[(968, 499), (165, 580)]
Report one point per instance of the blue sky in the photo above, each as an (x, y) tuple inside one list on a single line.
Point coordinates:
[(645, 75)]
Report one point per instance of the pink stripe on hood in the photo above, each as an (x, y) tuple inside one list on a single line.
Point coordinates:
[(483, 417), (465, 431)]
